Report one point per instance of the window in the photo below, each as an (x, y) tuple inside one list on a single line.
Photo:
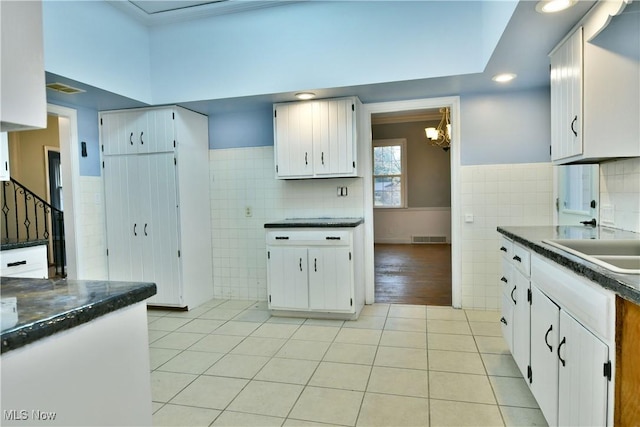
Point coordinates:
[(389, 170)]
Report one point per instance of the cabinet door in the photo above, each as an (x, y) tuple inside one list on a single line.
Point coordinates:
[(330, 279), (582, 385), (506, 321), (124, 228), (158, 230), (121, 132), (159, 131), (545, 320), (287, 278), (293, 140), (521, 322), (566, 98), (333, 123)]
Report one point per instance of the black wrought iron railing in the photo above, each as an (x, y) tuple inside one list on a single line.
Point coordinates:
[(27, 217)]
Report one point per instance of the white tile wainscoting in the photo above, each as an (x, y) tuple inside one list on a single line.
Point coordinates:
[(516, 194), (497, 195), (93, 243), (245, 177)]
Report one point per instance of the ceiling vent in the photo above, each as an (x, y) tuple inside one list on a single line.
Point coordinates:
[(61, 87)]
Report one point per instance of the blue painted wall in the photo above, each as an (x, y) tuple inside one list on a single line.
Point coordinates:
[(322, 45), (88, 132), (252, 128), (513, 127), (94, 43)]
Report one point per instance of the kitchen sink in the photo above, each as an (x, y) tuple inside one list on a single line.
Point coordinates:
[(619, 256)]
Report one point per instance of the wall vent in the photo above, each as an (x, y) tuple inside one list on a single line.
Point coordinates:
[(428, 239), (61, 87)]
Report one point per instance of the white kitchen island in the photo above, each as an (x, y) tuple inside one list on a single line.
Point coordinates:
[(78, 354)]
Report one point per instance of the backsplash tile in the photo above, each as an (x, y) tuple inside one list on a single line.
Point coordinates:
[(620, 193), (497, 195), (245, 177)]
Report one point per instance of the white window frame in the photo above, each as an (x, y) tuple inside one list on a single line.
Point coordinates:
[(402, 142)]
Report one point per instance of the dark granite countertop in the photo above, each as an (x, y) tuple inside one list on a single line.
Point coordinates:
[(47, 306), (8, 244), (316, 222), (625, 285)]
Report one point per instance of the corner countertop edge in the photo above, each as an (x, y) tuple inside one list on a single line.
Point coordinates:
[(626, 286)]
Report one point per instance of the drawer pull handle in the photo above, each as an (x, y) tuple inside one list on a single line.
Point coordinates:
[(282, 237), (141, 140), (512, 298), (332, 238), (504, 279), (17, 263), (131, 138), (315, 264), (517, 258), (573, 122), (503, 249), (563, 342), (300, 264), (546, 339), (503, 320)]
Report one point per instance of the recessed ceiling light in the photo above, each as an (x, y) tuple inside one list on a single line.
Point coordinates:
[(503, 78), (305, 95), (552, 6)]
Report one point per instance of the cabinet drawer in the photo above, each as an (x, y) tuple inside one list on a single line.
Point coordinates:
[(522, 259), (506, 248), (309, 238), (24, 262)]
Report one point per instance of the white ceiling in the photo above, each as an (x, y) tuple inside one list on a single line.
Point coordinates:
[(523, 49)]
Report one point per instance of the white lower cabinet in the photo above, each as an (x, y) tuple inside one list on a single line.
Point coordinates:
[(315, 271), (559, 327), (515, 301), (569, 366), (545, 319), (287, 278), (29, 262)]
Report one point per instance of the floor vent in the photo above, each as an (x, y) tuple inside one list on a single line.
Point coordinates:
[(428, 239)]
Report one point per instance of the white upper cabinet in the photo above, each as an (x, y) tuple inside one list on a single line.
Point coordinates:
[(595, 87), (316, 139), (23, 98), (566, 98), (138, 131)]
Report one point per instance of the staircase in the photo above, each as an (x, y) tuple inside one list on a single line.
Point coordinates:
[(27, 217)]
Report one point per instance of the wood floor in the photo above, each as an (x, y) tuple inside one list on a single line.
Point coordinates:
[(413, 274)]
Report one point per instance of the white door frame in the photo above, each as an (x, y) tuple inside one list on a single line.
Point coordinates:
[(68, 134), (453, 103)]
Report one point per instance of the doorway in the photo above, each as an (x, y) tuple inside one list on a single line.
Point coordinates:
[(53, 176), (412, 210), (403, 106)]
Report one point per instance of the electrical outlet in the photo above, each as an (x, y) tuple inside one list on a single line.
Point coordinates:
[(248, 212), (342, 192)]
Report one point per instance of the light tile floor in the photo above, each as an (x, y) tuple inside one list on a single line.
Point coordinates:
[(229, 363)]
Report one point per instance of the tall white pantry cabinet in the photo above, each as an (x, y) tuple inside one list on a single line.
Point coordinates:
[(156, 174)]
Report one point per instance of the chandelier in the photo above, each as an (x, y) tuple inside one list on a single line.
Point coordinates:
[(441, 136)]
